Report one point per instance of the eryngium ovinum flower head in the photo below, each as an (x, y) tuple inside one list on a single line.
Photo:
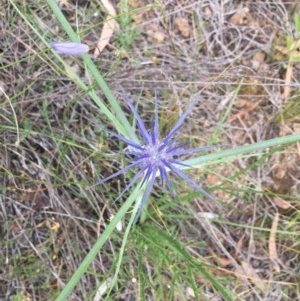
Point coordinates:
[(156, 156)]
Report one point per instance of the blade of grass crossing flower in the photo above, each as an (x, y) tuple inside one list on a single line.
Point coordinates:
[(162, 237), (120, 172), (121, 117), (67, 290), (231, 154), (132, 221), (192, 183), (124, 139), (193, 150), (78, 81), (145, 196), (132, 182), (114, 104)]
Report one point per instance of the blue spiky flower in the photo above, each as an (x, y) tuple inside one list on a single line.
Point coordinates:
[(156, 156)]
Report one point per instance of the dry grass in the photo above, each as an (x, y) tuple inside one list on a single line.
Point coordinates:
[(50, 213)]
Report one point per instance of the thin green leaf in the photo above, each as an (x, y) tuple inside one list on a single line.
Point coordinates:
[(135, 195), (159, 236), (231, 154), (96, 74)]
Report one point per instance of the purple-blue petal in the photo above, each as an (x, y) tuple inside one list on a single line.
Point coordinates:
[(165, 178), (140, 123), (155, 131), (172, 149), (71, 48), (175, 162), (192, 150), (145, 197), (135, 178), (149, 173), (180, 121), (120, 172), (123, 139), (192, 183)]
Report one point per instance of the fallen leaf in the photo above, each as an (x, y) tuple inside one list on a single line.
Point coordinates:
[(182, 25), (135, 3), (211, 179), (110, 25), (239, 246), (63, 3), (257, 61), (109, 7), (281, 203), (222, 261), (72, 71), (252, 275), (159, 36), (239, 16), (102, 289), (15, 228), (190, 292), (272, 243), (207, 215), (245, 111), (279, 170), (55, 226), (259, 57)]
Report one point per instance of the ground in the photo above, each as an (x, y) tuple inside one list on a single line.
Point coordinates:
[(236, 56)]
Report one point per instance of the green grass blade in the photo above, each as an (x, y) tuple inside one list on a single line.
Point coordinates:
[(125, 237), (297, 23), (161, 236), (231, 154), (120, 122), (135, 195), (94, 71)]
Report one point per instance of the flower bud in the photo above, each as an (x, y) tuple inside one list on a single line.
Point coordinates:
[(69, 47)]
